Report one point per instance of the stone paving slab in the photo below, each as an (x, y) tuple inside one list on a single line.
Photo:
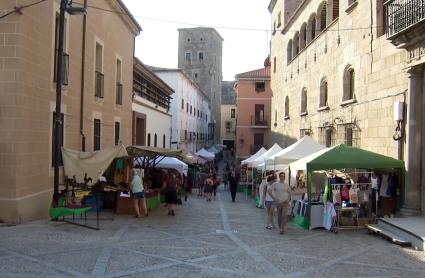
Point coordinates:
[(205, 239)]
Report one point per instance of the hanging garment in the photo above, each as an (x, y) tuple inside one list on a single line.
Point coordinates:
[(384, 186)]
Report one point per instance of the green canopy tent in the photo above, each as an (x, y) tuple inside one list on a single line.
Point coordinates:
[(346, 157)]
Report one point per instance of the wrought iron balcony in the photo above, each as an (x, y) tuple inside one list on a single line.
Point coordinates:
[(119, 94), (403, 16), (99, 85)]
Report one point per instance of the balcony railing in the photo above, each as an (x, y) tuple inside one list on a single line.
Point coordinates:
[(99, 85), (403, 14), (259, 122), (119, 94)]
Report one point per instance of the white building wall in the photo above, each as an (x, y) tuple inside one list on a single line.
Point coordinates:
[(184, 89), (158, 121)]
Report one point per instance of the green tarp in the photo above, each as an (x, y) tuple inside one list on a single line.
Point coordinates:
[(343, 156)]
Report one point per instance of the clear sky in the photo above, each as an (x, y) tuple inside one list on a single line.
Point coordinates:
[(243, 50)]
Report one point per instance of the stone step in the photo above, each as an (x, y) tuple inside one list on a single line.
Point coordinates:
[(378, 229)]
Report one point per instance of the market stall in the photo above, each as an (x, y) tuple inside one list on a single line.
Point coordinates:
[(84, 184), (150, 161), (351, 183)]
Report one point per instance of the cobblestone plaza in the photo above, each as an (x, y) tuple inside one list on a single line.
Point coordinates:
[(204, 239)]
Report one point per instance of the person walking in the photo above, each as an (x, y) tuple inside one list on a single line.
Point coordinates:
[(216, 183), (170, 187), (138, 194), (233, 182), (281, 194), (269, 202), (209, 187)]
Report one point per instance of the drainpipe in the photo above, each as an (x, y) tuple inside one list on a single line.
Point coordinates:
[(83, 66)]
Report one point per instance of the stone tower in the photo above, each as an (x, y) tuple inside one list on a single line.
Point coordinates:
[(200, 56)]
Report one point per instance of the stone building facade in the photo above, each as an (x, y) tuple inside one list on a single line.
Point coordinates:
[(406, 30), (151, 108), (336, 77), (200, 56), (253, 100), (228, 115), (190, 110), (96, 102)]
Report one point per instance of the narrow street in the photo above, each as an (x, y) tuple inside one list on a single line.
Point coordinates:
[(217, 239)]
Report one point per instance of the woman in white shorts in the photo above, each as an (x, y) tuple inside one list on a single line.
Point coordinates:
[(269, 203)]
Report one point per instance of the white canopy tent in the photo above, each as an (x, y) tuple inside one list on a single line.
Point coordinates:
[(302, 148), (169, 163), (254, 156), (214, 150), (301, 164), (205, 154), (262, 158)]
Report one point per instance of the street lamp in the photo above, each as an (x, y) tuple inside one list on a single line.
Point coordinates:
[(65, 6)]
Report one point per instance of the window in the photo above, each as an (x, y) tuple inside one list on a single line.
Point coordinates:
[(274, 28), (196, 75), (228, 126), (323, 14), (305, 132), (296, 44), (188, 57), (187, 107), (381, 18), (194, 111), (274, 64), (65, 57), (185, 135), (149, 139), (155, 140), (99, 77), (275, 117), (118, 83), (323, 93), (326, 136), (117, 133), (349, 79), (287, 107), (201, 56), (96, 135), (182, 104), (279, 19), (335, 9), (54, 138), (349, 134), (312, 27), (260, 86), (259, 114), (232, 113), (303, 36), (191, 110), (289, 51), (163, 141), (304, 102)]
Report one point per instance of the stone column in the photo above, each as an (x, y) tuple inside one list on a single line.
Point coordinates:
[(412, 190), (422, 85)]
